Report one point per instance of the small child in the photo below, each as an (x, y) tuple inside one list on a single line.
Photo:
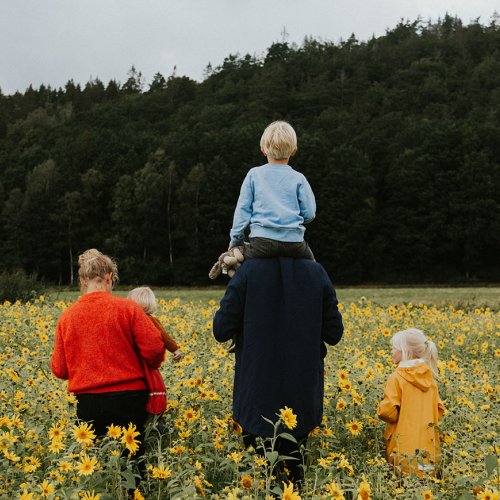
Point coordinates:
[(275, 201), (411, 405), (157, 401)]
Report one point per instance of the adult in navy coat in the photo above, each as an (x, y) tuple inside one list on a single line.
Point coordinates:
[(281, 311)]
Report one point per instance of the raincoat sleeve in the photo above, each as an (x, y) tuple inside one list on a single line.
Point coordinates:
[(58, 362), (228, 320), (388, 408)]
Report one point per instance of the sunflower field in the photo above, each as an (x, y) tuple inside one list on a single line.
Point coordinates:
[(195, 450)]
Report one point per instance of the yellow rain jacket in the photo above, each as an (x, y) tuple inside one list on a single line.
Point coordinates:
[(411, 407)]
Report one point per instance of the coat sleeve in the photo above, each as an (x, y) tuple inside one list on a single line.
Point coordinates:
[(169, 342), (388, 408), (58, 361), (147, 338), (228, 320), (332, 326)]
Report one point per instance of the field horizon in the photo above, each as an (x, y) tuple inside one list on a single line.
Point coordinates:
[(466, 297)]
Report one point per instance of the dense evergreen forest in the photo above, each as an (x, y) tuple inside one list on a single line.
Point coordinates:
[(399, 137)]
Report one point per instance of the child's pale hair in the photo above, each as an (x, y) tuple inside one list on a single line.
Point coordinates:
[(414, 344), (94, 264), (279, 140), (145, 297)]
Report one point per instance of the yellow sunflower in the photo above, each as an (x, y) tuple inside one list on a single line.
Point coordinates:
[(288, 417)]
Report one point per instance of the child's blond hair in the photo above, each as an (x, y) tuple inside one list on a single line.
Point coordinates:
[(279, 140), (94, 264), (414, 344), (145, 297)]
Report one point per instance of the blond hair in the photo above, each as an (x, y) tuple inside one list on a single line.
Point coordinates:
[(279, 140), (145, 297), (414, 344), (94, 264)]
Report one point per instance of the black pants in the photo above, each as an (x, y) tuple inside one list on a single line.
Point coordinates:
[(286, 448), (264, 248), (119, 408)]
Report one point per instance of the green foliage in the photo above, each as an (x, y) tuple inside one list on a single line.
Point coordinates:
[(399, 137), (17, 285)]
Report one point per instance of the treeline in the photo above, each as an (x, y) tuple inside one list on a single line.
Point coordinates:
[(399, 137)]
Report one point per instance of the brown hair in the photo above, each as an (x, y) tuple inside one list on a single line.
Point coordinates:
[(94, 264)]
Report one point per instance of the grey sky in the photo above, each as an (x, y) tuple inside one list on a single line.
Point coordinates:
[(53, 41)]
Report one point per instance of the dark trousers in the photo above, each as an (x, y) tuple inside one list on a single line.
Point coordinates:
[(118, 408), (286, 448), (265, 248)]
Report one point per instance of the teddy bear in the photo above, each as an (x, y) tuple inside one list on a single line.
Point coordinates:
[(228, 262)]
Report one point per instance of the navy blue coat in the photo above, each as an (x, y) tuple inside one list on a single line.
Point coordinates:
[(282, 311)]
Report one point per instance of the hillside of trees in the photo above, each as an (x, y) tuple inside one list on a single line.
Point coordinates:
[(399, 137)]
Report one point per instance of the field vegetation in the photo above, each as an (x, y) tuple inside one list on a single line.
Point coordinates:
[(198, 454)]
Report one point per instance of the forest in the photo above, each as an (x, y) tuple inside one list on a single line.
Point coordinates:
[(399, 137)]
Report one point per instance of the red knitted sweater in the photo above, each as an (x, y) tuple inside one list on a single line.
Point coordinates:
[(98, 344)]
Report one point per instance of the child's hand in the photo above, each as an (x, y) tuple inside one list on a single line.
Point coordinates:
[(177, 355)]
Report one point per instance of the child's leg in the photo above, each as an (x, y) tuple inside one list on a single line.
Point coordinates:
[(261, 248), (265, 248), (300, 250)]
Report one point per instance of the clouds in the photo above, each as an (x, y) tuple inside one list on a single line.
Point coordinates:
[(56, 40)]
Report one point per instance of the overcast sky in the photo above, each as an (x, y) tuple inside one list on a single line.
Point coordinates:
[(53, 41)]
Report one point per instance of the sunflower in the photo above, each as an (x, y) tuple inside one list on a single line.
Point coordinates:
[(84, 433), (190, 416), (246, 482), (488, 495), (114, 431), (161, 472), (235, 457), (47, 489), (56, 446), (25, 495), (87, 465), (128, 438), (427, 495), (334, 491), (288, 493), (90, 495), (288, 417), (364, 490), (354, 427), (65, 466), (341, 404), (56, 433)]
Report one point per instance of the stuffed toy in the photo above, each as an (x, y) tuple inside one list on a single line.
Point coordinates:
[(228, 262)]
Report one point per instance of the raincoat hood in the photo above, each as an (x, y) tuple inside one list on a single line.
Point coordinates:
[(417, 373)]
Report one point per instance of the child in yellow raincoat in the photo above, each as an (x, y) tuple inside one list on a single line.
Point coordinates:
[(411, 405)]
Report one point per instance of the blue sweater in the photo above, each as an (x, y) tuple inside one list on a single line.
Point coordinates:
[(276, 201), (282, 311)]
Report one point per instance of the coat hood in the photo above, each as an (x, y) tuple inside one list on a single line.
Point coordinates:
[(417, 373)]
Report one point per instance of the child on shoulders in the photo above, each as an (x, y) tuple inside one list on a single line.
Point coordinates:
[(275, 201)]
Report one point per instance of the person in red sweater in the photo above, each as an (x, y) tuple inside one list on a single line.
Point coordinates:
[(101, 342), (157, 402)]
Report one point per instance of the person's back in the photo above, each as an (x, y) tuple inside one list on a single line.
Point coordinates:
[(100, 348), (283, 310)]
